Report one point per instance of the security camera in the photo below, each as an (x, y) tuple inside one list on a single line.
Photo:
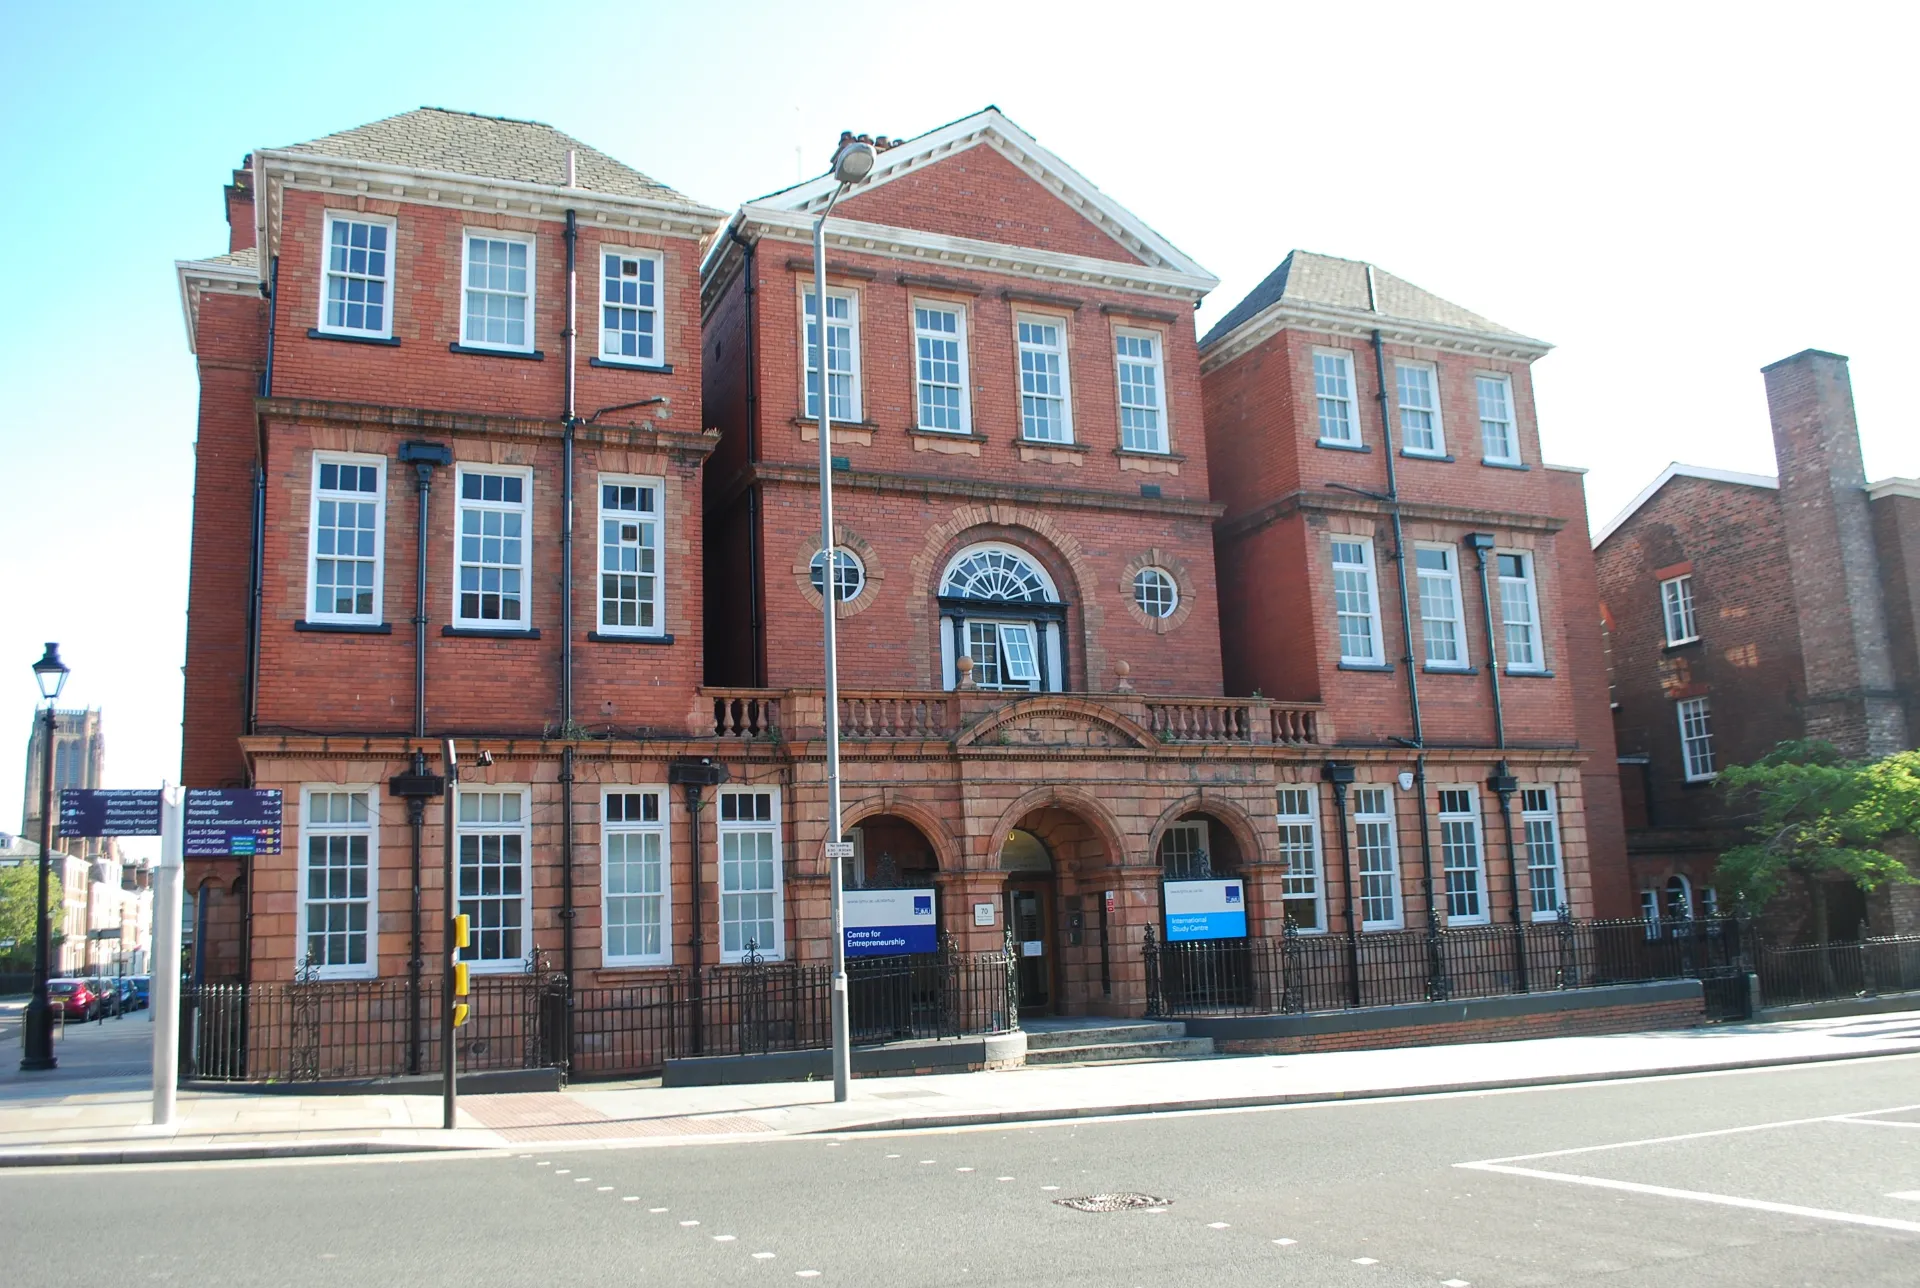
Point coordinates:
[(484, 760)]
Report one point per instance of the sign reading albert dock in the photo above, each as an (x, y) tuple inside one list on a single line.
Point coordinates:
[(888, 923), (90, 812), (231, 821), (1205, 910)]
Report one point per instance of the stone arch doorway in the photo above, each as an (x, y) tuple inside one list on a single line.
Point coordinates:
[(890, 850), (1057, 867)]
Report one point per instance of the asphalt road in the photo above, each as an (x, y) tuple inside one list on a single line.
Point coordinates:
[(1807, 1175)]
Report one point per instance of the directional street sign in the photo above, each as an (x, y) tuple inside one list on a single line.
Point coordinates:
[(229, 821), (92, 812)]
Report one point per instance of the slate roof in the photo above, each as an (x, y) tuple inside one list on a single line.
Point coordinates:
[(1306, 278), (486, 147), (248, 258)]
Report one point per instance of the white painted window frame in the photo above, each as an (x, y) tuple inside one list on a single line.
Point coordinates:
[(626, 827), (1195, 827), (501, 966), (659, 486), (1512, 422), (1386, 816), (658, 310), (332, 217), (857, 411), (371, 968), (1688, 760), (1439, 448), (1676, 609), (531, 242), (1369, 564), (1462, 660), (1470, 815), (1060, 324), (1157, 343), (1531, 580), (960, 342), (1352, 399), (1316, 857), (1550, 816), (1172, 587), (460, 506), (723, 829), (379, 499)]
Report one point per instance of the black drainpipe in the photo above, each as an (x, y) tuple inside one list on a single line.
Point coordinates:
[(1501, 781), (1437, 984), (691, 775), (423, 457), (1340, 774), (256, 574), (1504, 784), (1480, 543), (753, 455), (416, 787)]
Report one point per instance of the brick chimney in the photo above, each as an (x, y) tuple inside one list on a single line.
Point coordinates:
[(1851, 700), (240, 207)]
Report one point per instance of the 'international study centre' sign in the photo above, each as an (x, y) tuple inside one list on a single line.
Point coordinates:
[(1205, 910), (889, 923)]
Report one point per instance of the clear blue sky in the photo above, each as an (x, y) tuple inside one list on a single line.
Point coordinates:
[(1673, 195)]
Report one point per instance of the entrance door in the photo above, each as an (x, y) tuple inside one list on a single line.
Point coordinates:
[(1030, 913)]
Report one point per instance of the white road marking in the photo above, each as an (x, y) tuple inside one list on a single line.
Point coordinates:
[(629, 1198), (562, 1171), (807, 1274), (893, 1155), (1003, 1178), (1692, 1135), (963, 1169), (1286, 1243), (1365, 1261), (1864, 1121), (1218, 1225), (524, 1156), (1455, 1283), (603, 1188), (1049, 1187), (547, 1164), (1912, 1195), (763, 1256), (723, 1238), (1698, 1196), (925, 1161), (585, 1180), (656, 1209), (689, 1223)]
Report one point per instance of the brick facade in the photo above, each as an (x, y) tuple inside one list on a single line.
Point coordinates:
[(1801, 590)]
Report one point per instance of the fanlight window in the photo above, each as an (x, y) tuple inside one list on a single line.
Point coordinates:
[(992, 573)]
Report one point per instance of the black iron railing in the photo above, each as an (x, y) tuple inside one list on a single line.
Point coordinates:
[(318, 1030), (1828, 972), (1324, 972)]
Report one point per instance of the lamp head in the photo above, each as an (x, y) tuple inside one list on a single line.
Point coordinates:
[(50, 673), (854, 161)]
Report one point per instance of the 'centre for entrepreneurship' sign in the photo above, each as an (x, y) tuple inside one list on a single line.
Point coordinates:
[(888, 923), (1205, 910)]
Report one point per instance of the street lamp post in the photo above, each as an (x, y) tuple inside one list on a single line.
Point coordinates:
[(36, 1034), (851, 163)]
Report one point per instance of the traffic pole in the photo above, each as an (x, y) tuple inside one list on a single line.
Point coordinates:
[(164, 1003), (449, 1095)]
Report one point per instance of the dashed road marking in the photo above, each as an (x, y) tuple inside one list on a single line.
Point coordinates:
[(723, 1238), (1454, 1283), (807, 1274), (893, 1155), (963, 1169), (1365, 1261), (925, 1161), (656, 1209), (689, 1223), (1285, 1243), (603, 1188), (1911, 1195), (1003, 1178), (1218, 1225), (563, 1171), (1049, 1187), (629, 1198), (763, 1256)]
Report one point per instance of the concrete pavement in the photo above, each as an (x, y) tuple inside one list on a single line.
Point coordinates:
[(92, 1110)]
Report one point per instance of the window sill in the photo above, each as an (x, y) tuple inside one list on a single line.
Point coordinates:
[(1332, 446), (1178, 458), (1380, 667), (347, 337), (1505, 465), (488, 633), (1048, 445), (1450, 670), (601, 637), (1527, 674), (659, 368), (1695, 784), (345, 628), (955, 435), (633, 968), (1695, 642), (1436, 457), (530, 355)]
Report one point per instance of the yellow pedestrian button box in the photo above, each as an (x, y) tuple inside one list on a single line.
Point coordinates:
[(459, 1014), (459, 979), (462, 932)]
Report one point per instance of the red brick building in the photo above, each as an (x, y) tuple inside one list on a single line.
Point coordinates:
[(1745, 610), (1043, 537)]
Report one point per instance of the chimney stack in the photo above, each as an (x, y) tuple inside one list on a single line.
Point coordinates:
[(240, 207), (1851, 700)]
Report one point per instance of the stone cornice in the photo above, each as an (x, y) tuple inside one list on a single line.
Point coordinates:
[(277, 170), (1327, 319), (1328, 502), (478, 425), (199, 277), (928, 485)]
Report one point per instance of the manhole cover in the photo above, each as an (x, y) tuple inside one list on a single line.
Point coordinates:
[(1113, 1202)]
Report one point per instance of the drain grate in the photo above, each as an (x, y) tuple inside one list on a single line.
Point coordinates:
[(1113, 1202)]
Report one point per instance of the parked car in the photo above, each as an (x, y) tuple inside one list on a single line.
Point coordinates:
[(75, 999), (137, 990), (112, 1000)]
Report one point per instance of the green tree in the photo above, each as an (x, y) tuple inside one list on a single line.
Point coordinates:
[(19, 886), (1817, 815)]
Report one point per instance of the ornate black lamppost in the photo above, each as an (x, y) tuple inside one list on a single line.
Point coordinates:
[(37, 1030)]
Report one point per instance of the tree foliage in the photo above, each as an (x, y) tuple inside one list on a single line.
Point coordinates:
[(1817, 815), (19, 886)]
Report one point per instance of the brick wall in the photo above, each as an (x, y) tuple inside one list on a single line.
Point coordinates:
[(1560, 1024), (1896, 542)]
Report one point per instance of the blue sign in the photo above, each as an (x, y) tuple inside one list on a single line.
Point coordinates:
[(888, 923), (224, 821), (1205, 910), (88, 812)]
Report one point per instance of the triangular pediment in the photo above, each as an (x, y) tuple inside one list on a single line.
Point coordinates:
[(1031, 197), (1056, 721)]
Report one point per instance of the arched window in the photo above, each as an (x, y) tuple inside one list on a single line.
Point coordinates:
[(1679, 899), (999, 607)]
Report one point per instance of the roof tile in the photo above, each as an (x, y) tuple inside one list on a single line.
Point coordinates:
[(1306, 278)]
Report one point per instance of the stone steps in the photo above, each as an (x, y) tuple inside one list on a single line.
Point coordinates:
[(1162, 1049), (1103, 1035)]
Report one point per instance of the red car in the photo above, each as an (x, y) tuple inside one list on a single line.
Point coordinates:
[(75, 998)]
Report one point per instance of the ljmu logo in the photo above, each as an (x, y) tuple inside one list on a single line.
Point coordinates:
[(923, 905), (1233, 894)]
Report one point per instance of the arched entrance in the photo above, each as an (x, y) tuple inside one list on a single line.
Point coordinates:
[(893, 994), (1058, 881)]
